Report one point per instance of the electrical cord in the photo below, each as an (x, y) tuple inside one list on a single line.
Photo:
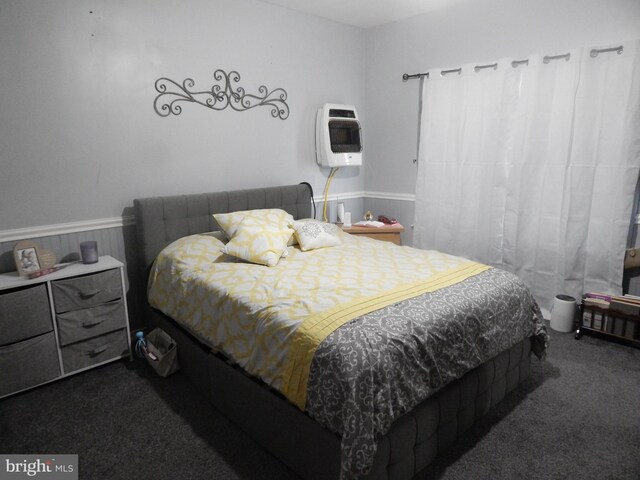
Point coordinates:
[(313, 202), (326, 192)]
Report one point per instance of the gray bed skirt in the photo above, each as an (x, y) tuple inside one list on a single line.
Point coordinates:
[(314, 452), (304, 445)]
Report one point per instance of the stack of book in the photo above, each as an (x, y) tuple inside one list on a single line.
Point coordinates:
[(629, 304), (606, 314), (597, 318)]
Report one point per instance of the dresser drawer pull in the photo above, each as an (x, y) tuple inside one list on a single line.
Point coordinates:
[(89, 293), (93, 322), (97, 351)]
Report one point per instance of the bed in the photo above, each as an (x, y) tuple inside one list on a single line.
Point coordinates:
[(373, 432)]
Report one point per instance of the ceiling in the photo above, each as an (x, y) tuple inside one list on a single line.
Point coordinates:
[(363, 13)]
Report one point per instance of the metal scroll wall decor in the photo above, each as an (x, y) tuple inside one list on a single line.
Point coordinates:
[(224, 93)]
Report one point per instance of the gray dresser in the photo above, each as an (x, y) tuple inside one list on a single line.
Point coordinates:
[(62, 323)]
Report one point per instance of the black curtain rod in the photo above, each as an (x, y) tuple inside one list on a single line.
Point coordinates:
[(594, 53), (406, 76)]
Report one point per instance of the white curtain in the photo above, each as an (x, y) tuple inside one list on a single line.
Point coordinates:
[(532, 167)]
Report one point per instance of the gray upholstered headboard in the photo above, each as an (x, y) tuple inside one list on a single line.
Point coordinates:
[(161, 220)]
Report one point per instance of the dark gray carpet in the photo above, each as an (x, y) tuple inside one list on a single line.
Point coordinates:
[(576, 417)]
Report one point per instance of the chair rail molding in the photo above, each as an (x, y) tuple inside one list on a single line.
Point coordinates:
[(65, 228), (119, 222), (404, 197)]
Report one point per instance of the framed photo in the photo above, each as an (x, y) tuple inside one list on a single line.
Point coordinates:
[(27, 260), (30, 258)]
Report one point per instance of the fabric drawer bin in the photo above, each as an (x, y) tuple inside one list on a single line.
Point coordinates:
[(24, 314), (28, 363), (90, 322), (95, 350), (86, 291)]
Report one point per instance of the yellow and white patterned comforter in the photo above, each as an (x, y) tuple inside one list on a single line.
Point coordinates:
[(254, 314)]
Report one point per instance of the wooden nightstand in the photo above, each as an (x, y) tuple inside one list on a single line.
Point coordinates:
[(390, 233), (61, 323)]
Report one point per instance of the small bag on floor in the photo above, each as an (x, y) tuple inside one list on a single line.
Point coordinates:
[(161, 352)]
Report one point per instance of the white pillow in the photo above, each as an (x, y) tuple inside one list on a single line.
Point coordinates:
[(313, 234), (257, 241)]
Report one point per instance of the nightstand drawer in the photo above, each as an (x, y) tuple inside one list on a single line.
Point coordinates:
[(28, 363), (86, 291), (95, 350), (389, 233), (24, 313), (90, 322)]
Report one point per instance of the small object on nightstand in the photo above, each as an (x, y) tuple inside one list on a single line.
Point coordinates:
[(347, 220), (340, 218), (368, 216), (44, 271), (387, 220), (89, 251), (369, 223)]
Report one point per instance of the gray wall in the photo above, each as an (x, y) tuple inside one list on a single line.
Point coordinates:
[(79, 135)]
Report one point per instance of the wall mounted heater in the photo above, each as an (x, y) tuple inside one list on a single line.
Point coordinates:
[(338, 136)]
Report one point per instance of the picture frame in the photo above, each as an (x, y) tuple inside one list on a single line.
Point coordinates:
[(27, 260), (31, 259)]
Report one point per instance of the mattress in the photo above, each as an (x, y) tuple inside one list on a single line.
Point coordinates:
[(441, 317)]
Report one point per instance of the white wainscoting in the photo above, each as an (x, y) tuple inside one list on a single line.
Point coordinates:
[(115, 237), (119, 222)]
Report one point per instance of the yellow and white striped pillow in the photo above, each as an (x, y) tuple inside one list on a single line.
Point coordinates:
[(257, 241)]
